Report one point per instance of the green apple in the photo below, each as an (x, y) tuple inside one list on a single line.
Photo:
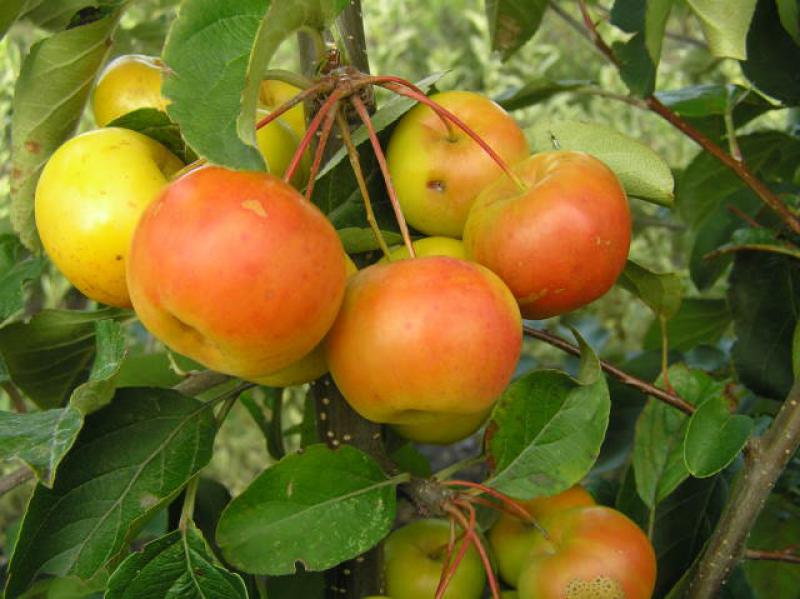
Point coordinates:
[(88, 202), (438, 173), (413, 563)]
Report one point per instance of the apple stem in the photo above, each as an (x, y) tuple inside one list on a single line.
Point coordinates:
[(476, 541), (448, 556), (320, 151), (376, 146), (444, 113), (355, 163), (285, 107), (313, 127), (450, 570)]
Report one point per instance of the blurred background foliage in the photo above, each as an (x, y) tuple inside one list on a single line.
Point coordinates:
[(414, 38)]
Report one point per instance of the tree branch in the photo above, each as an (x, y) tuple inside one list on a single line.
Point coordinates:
[(764, 463), (628, 379), (782, 555)]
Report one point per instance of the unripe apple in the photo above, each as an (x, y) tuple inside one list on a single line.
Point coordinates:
[(236, 271), (437, 173), (274, 93), (414, 558), (90, 197), (417, 341), (561, 242), (511, 538), (311, 366), (128, 83), (429, 246), (589, 552)]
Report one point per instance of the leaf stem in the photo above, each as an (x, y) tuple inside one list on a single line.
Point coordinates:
[(668, 397), (289, 77), (187, 511), (15, 479), (450, 470), (330, 117), (15, 396)]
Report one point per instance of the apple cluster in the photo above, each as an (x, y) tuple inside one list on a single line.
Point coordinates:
[(570, 547), (238, 272)]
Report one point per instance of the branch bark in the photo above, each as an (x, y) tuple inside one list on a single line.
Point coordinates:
[(668, 397), (782, 555), (764, 462)]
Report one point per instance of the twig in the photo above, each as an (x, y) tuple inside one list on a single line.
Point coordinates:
[(782, 555), (16, 397), (15, 479), (201, 381), (628, 379), (764, 462)]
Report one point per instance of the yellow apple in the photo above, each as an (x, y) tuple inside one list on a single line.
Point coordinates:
[(274, 93), (128, 83), (429, 246), (88, 202)]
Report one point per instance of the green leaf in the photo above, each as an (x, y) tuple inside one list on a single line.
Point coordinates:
[(762, 240), (772, 55), (110, 352), (40, 439), (129, 460), (778, 526), (155, 124), (640, 55), (547, 429), (361, 239), (764, 299), (789, 14), (16, 268), (49, 97), (537, 91), (706, 183), (51, 354), (698, 321), (319, 508), (658, 444), (714, 437), (9, 11), (272, 427), (662, 292), (512, 23), (54, 15), (176, 566), (640, 170), (725, 26)]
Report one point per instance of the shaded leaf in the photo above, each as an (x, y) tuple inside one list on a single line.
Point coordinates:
[(40, 439), (698, 321), (765, 303), (16, 268), (109, 354), (658, 444), (714, 437), (9, 11), (319, 508), (308, 585), (640, 170), (547, 428), (176, 566), (129, 460), (513, 22), (537, 91), (789, 14), (778, 526), (50, 93), (361, 239), (772, 55), (662, 292), (759, 239), (724, 27), (155, 124), (51, 354), (640, 55)]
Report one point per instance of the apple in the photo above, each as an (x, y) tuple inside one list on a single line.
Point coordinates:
[(438, 174), (277, 143), (88, 200), (560, 243), (237, 271), (311, 366), (443, 429), (429, 246), (418, 342), (128, 83), (414, 558), (511, 538), (590, 552), (274, 93)]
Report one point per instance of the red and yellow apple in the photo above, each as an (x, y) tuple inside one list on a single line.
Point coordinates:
[(511, 538), (438, 172), (420, 342), (589, 552), (414, 558), (128, 83), (88, 201), (559, 243), (236, 271)]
